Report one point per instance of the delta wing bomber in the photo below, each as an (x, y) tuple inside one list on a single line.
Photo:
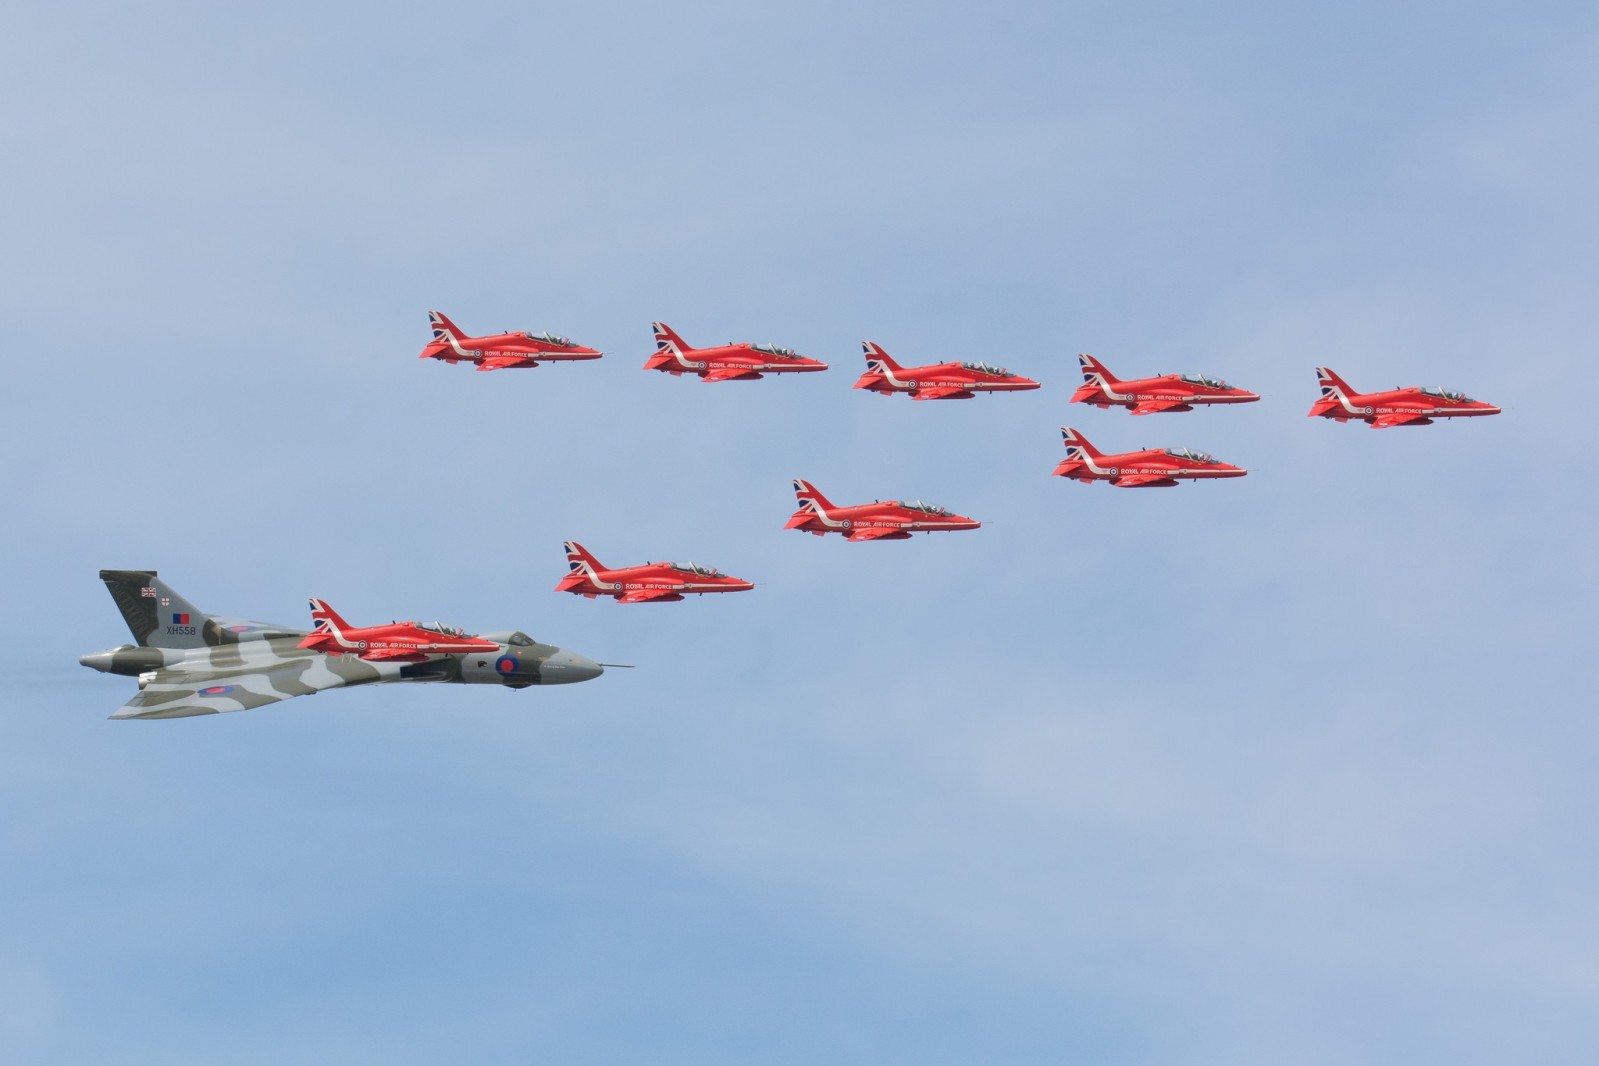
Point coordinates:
[(191, 663)]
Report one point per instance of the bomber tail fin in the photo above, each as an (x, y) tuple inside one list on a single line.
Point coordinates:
[(157, 616), (1077, 446)]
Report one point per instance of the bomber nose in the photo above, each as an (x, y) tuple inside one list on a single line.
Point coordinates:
[(568, 667)]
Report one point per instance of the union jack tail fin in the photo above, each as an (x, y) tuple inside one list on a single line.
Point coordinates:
[(1094, 372), (878, 360), (667, 341), (325, 619), (443, 328), (580, 561), (1077, 446), (809, 498), (1332, 385)]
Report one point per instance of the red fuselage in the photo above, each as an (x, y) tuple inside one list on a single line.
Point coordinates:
[(1146, 468), (1145, 396), (651, 582), (938, 381), (408, 641), (727, 362), (501, 351), (879, 520), (1397, 407)]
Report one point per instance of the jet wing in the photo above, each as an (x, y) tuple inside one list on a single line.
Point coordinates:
[(941, 394), (382, 655), (645, 595), (1399, 418), (183, 693), (730, 373), (878, 533), (1150, 407), (1132, 481), (501, 362)]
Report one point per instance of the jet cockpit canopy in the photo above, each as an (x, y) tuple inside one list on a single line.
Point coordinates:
[(440, 627), (1190, 454), (984, 368), (1203, 380), (925, 508), (695, 568), (775, 349), (1447, 394), (549, 338)]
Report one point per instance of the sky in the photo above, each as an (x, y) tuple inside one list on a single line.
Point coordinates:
[(1296, 767)]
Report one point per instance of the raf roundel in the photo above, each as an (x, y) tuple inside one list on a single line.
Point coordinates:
[(506, 664), (216, 690)]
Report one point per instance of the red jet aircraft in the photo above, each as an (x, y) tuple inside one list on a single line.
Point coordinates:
[(404, 641), (1414, 406), (879, 520), (1150, 468), (650, 583), (744, 362), (503, 350), (1147, 396), (940, 381)]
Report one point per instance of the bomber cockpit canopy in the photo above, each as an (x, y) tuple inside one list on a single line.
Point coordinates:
[(695, 568), (984, 368), (775, 349), (1203, 380), (1448, 394), (549, 338), (1190, 454), (925, 508)]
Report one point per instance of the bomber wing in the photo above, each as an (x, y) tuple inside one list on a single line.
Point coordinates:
[(181, 692)]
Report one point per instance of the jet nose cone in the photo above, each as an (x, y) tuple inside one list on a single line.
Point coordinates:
[(567, 668)]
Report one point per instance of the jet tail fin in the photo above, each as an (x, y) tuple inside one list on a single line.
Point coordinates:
[(807, 495), (443, 328), (1077, 446), (878, 360), (1094, 372), (325, 619), (580, 560), (156, 616), (667, 341), (1331, 384)]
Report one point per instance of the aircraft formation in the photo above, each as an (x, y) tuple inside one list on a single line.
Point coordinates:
[(190, 663)]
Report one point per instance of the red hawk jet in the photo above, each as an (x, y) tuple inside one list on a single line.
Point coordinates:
[(503, 351), (410, 642), (650, 583), (1147, 396), (879, 520), (729, 362), (1150, 468), (1414, 406), (940, 381)]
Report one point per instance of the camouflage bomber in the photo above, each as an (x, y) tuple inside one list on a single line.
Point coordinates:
[(191, 663)]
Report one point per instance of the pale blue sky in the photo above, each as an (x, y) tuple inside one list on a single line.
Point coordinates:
[(1293, 768)]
